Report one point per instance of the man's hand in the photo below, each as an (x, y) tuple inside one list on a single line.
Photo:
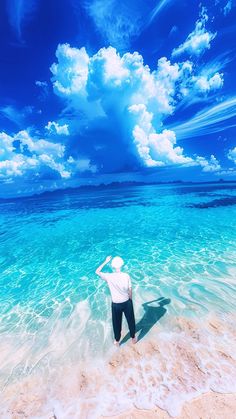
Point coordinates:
[(108, 258)]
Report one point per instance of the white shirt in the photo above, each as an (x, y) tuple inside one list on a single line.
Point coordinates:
[(119, 284)]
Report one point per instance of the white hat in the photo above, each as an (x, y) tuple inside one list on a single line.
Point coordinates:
[(117, 262)]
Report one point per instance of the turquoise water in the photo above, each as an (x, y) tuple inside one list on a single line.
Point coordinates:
[(178, 242)]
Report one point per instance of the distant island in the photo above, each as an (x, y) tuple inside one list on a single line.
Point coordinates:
[(111, 185)]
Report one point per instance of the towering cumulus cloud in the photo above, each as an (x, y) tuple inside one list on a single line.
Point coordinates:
[(108, 85)]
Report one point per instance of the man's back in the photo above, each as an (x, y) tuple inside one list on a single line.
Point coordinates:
[(119, 284)]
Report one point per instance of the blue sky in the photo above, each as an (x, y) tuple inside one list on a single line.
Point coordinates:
[(103, 90)]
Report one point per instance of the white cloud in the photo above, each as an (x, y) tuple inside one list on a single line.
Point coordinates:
[(205, 81), (204, 84), (232, 154), (160, 149), (116, 21), (228, 7), (70, 78), (155, 149), (44, 89), (6, 146), (55, 128), (124, 21), (42, 84), (71, 72), (211, 165), (197, 41), (39, 146), (58, 167), (109, 79), (21, 153), (17, 165), (119, 23)]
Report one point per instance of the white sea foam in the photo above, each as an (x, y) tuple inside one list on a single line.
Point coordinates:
[(166, 369)]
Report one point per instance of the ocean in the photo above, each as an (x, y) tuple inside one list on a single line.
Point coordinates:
[(56, 340)]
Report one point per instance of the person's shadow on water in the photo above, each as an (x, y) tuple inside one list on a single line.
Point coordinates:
[(151, 315)]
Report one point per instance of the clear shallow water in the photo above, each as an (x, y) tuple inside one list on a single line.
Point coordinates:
[(178, 242)]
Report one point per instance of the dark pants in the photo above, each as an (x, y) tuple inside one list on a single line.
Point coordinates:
[(117, 310)]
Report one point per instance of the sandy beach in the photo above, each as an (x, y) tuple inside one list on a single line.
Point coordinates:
[(208, 406), (181, 375)]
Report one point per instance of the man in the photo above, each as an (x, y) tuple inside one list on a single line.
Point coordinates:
[(121, 294)]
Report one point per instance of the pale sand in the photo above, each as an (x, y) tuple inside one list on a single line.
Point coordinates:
[(187, 361), (207, 406)]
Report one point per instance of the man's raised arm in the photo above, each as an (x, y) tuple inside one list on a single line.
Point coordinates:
[(98, 270)]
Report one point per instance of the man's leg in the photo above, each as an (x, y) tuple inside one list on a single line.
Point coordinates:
[(129, 314), (116, 320)]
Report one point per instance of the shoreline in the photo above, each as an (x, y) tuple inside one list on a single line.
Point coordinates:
[(210, 405), (187, 373)]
